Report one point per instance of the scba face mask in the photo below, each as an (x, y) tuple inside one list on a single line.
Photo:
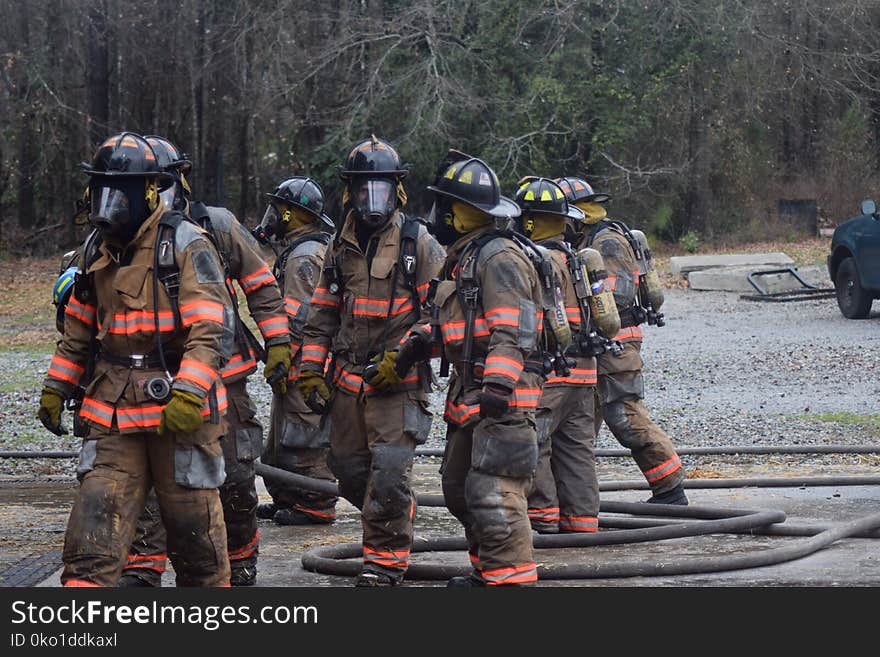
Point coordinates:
[(373, 199), (270, 225), (120, 207)]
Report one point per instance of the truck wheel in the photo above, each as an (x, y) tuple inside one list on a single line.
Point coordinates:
[(853, 300)]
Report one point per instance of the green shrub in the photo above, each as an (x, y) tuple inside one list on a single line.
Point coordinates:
[(690, 241)]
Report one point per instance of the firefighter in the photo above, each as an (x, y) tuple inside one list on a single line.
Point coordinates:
[(151, 303), (486, 315), (374, 280), (566, 493), (243, 440), (621, 388), (298, 231)]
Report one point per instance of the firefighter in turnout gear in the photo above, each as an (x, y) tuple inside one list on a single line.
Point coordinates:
[(486, 314), (149, 309), (566, 493), (621, 388), (374, 281), (298, 231), (243, 440)]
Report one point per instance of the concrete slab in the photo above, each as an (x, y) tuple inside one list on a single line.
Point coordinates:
[(684, 265), (735, 279)]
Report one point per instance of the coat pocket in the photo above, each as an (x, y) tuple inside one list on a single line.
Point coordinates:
[(199, 465), (303, 436), (417, 419), (87, 454), (248, 433), (129, 284)]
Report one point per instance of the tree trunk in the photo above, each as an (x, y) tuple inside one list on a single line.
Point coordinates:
[(27, 144), (98, 73)]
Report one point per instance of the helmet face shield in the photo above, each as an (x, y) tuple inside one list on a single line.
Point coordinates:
[(270, 224), (374, 199), (118, 208), (439, 221), (171, 197)]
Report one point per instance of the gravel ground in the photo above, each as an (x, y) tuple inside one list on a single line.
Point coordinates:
[(723, 371)]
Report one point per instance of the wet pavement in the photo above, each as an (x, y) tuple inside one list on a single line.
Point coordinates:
[(39, 513)]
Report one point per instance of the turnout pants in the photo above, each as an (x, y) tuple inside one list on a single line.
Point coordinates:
[(619, 402), (299, 442), (565, 496), (238, 497), (371, 453), (116, 471), (487, 472)]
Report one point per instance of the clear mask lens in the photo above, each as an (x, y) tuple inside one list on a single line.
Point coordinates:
[(374, 199), (169, 197), (110, 207), (271, 221)]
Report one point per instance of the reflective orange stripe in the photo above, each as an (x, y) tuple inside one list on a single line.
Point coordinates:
[(273, 326), (460, 413), (154, 562), (201, 311), (237, 365), (97, 412), (196, 372), (245, 550), (150, 416), (387, 558), (527, 572), (81, 311), (548, 514), (630, 332), (322, 297), (314, 512), (65, 370), (256, 280), (525, 398), (291, 306), (586, 524), (577, 376), (141, 321), (422, 291), (502, 317), (366, 307), (454, 331), (665, 469), (314, 353), (503, 366), (81, 583)]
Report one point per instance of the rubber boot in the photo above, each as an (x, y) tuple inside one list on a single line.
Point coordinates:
[(672, 496), (371, 579), (265, 510), (297, 517), (131, 580), (465, 581), (243, 576)]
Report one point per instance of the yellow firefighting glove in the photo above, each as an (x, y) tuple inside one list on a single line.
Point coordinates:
[(183, 414), (310, 382), (51, 404), (381, 373), (277, 365)]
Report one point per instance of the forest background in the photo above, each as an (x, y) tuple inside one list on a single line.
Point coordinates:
[(700, 118)]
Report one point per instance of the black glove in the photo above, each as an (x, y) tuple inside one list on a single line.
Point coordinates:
[(416, 348), (494, 400)]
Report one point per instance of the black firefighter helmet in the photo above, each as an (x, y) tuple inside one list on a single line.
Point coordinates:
[(126, 179), (542, 196)]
